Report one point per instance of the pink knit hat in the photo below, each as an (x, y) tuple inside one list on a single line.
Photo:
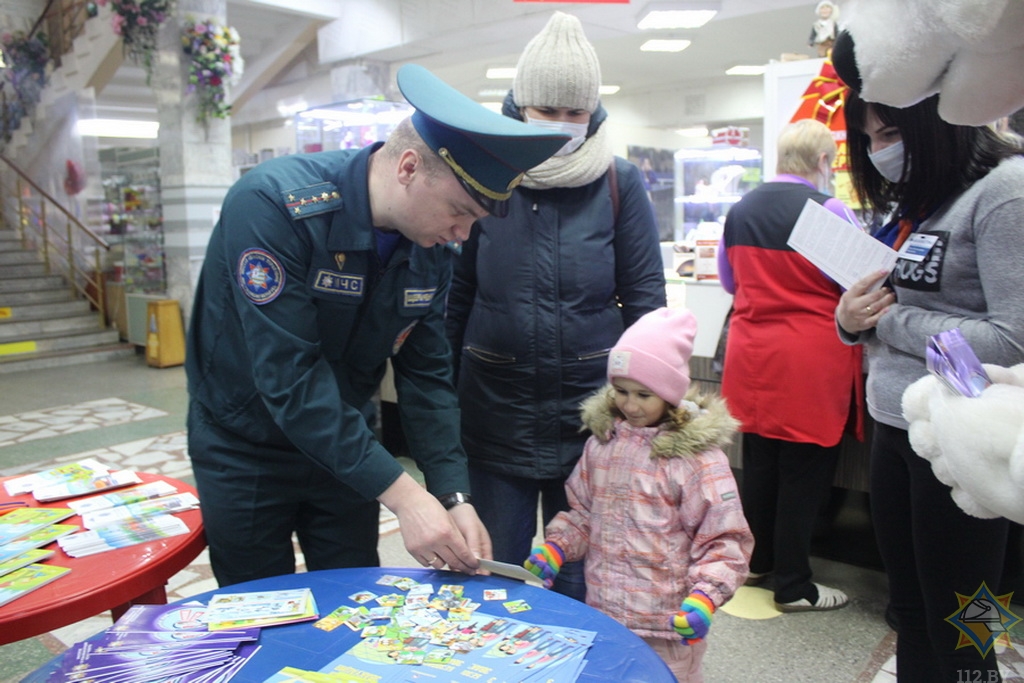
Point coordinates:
[(655, 351)]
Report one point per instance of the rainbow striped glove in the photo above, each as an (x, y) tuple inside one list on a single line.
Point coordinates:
[(694, 617), (544, 562)]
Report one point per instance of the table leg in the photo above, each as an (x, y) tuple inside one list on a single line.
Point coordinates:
[(156, 596)]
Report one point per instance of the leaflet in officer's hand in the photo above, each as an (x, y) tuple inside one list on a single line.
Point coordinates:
[(839, 249), (512, 571)]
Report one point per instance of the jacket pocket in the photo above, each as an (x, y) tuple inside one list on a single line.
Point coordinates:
[(603, 353), (491, 357)]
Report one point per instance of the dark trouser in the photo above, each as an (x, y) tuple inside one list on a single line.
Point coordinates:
[(508, 508), (254, 497), (932, 551), (785, 485)]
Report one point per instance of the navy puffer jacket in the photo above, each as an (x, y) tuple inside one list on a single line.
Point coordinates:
[(537, 300)]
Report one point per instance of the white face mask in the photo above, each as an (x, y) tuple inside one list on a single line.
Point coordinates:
[(889, 162), (578, 131)]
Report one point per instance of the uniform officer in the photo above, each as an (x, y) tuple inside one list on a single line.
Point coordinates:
[(321, 268)]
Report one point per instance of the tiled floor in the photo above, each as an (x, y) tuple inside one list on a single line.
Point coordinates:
[(132, 416)]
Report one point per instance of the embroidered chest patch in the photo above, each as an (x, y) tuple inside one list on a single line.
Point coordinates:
[(260, 275), (418, 298), (333, 282)]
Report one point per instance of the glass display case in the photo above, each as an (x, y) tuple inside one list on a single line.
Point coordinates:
[(133, 216), (710, 180), (347, 125)]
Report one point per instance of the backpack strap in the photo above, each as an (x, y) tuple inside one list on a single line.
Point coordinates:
[(613, 188)]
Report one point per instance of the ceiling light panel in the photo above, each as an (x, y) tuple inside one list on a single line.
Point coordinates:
[(675, 18), (657, 45)]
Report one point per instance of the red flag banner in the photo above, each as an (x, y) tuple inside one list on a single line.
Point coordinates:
[(824, 100)]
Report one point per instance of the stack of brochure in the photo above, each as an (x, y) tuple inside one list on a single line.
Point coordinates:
[(77, 471), (178, 502), (266, 608), (27, 579), (36, 539), (135, 494), (81, 487), (114, 519), (21, 522), (121, 534), (22, 532), (159, 643)]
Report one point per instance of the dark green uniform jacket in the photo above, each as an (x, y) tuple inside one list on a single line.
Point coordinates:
[(295, 317)]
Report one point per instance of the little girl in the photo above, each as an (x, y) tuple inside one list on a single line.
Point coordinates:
[(655, 511)]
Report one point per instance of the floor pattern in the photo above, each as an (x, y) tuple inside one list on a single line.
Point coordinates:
[(63, 420)]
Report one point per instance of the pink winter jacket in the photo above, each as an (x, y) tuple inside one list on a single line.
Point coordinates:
[(655, 513)]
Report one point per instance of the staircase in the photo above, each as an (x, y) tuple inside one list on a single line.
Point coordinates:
[(44, 320), (42, 324)]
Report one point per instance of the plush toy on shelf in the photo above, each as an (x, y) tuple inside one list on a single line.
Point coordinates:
[(824, 28)]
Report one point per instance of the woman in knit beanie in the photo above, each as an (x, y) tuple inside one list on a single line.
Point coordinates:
[(540, 296), (655, 510)]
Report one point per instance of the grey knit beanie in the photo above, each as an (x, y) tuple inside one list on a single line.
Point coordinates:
[(558, 68)]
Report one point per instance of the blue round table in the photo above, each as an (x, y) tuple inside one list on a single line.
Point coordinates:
[(617, 654)]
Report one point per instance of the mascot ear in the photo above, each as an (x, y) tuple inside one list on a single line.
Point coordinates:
[(844, 60)]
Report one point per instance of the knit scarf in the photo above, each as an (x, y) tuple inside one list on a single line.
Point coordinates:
[(582, 167)]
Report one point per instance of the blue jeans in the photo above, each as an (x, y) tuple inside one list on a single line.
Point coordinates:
[(507, 506)]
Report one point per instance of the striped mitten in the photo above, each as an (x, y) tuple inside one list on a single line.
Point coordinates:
[(544, 562), (694, 617)]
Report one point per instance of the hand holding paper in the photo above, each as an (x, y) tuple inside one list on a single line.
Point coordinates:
[(839, 249)]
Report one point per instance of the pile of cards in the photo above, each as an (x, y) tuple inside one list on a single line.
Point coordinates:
[(159, 643), (423, 634)]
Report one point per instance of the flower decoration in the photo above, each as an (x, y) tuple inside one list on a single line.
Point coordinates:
[(215, 63), (26, 57), (138, 23)]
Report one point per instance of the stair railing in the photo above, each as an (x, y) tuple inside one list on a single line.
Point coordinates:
[(67, 246)]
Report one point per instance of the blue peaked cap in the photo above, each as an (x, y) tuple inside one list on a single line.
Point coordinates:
[(488, 152)]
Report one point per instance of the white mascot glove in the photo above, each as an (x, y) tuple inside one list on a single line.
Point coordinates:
[(975, 445)]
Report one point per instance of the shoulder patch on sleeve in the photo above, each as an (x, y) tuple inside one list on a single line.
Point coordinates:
[(312, 200), (260, 275)]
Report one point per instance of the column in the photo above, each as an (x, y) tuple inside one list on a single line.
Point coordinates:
[(195, 158)]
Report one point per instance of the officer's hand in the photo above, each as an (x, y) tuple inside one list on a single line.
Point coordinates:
[(429, 532), (473, 530)]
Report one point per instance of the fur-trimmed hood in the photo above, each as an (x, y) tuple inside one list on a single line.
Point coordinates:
[(682, 435)]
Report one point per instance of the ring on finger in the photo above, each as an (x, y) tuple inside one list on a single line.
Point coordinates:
[(868, 309)]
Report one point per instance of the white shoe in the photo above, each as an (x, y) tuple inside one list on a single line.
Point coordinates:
[(828, 598)]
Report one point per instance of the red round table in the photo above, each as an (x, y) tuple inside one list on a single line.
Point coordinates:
[(112, 580)]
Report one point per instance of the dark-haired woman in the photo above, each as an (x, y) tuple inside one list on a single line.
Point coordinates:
[(956, 194)]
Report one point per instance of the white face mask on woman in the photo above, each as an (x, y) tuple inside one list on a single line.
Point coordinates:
[(578, 131), (889, 162)]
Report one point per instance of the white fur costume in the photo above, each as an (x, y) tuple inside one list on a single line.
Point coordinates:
[(972, 51), (975, 445)]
